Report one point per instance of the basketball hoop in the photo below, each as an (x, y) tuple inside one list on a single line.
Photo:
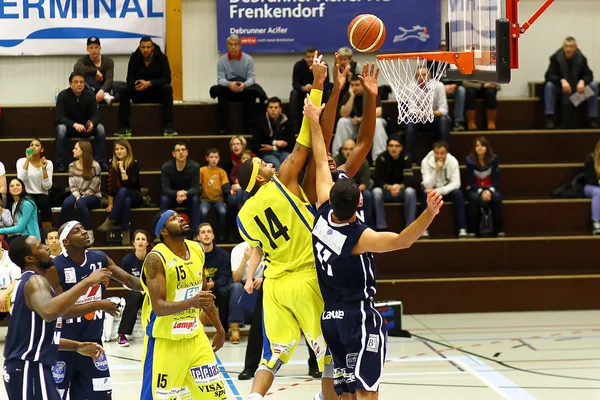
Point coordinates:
[(413, 91)]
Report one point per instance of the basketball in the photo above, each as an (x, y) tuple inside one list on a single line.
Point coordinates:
[(366, 33)]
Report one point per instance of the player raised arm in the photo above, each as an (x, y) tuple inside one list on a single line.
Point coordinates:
[(324, 181), (382, 242), (121, 276)]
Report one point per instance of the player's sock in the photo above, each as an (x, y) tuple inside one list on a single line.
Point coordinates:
[(304, 138), (255, 396)]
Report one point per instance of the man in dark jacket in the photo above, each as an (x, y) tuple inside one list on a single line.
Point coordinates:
[(99, 71), (568, 73), (148, 81), (77, 117), (394, 182), (273, 139)]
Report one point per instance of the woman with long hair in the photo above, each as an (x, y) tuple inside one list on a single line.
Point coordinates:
[(592, 185), (483, 181), (237, 145), (123, 188), (36, 173), (132, 263), (21, 214), (84, 181)]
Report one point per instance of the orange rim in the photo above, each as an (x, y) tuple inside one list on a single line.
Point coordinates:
[(464, 60)]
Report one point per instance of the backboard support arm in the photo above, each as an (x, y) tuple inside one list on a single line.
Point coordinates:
[(516, 30)]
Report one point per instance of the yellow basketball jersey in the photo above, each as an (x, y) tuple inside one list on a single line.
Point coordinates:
[(183, 281), (281, 224)]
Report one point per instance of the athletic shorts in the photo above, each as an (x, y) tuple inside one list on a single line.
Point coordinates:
[(292, 303), (180, 369), (28, 380), (81, 377), (356, 337)]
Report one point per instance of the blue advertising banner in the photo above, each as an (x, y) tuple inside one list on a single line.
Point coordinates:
[(284, 26)]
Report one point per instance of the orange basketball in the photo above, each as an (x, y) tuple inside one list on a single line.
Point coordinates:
[(366, 33)]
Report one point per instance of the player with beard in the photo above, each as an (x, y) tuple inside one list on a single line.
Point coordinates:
[(82, 377), (33, 336), (178, 359)]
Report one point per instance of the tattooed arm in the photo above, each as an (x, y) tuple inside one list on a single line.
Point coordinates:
[(123, 277)]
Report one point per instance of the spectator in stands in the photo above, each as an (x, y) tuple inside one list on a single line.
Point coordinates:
[(440, 171), (20, 217), (2, 184), (98, 70), (351, 113), (362, 179), (592, 185), (123, 189), (9, 274), (273, 137), (217, 266), (440, 124), (238, 195), (148, 81), (483, 183), (132, 264), (568, 73), (236, 83), (394, 183), (52, 242), (345, 59), (77, 117), (214, 187), (84, 181), (237, 145), (487, 91), (36, 172), (180, 180)]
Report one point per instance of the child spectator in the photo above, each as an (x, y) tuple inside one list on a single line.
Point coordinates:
[(483, 181), (21, 215), (36, 173), (592, 185), (132, 264), (214, 186), (84, 181), (52, 242), (123, 189), (9, 273)]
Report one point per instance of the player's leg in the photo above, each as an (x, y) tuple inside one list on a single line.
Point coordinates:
[(159, 373), (202, 377), (91, 380)]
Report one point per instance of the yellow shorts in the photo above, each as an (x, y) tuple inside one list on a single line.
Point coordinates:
[(180, 370), (292, 302)]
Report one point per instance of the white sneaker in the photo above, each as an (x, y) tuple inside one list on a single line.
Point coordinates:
[(91, 235), (462, 234), (596, 230), (108, 98), (425, 235), (318, 396)]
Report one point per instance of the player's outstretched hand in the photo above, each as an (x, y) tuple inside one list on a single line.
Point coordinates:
[(368, 79), (218, 340), (340, 75), (312, 112), (319, 68), (434, 202), (101, 275), (90, 349)]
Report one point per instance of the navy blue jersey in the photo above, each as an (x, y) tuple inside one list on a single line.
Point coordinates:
[(29, 337), (360, 212), (89, 327), (343, 278)]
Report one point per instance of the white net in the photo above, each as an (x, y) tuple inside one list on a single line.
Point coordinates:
[(414, 90)]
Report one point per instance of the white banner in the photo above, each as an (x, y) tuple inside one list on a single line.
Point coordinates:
[(61, 27)]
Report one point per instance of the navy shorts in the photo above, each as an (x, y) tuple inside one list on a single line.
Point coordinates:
[(83, 377), (28, 380), (356, 337)]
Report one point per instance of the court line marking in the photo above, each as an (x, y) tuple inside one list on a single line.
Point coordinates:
[(227, 378)]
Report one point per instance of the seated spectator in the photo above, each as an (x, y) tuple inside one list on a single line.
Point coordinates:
[(148, 81), (214, 186), (237, 145), (568, 73), (84, 181), (592, 185), (441, 123), (351, 113), (123, 189), (52, 242), (2, 184), (217, 267), (273, 137), (77, 117), (98, 70), (180, 181), (36, 172), (483, 183), (132, 264), (21, 215), (345, 59), (394, 183), (362, 179), (487, 91), (9, 274), (440, 171), (236, 83)]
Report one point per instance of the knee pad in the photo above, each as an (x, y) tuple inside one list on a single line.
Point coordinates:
[(274, 370), (328, 370)]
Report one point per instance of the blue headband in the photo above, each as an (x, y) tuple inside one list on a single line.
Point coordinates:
[(162, 221)]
